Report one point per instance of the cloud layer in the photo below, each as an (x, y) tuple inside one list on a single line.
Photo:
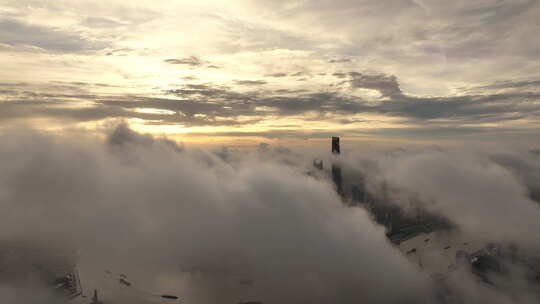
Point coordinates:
[(436, 71), (147, 207), (252, 226)]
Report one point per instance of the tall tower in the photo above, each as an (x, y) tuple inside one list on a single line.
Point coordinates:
[(336, 169), (335, 145)]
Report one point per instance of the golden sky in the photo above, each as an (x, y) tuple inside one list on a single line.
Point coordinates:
[(239, 71)]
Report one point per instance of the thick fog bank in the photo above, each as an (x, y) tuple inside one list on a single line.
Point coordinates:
[(231, 226), (191, 222)]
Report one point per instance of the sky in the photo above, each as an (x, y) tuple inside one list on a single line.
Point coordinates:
[(241, 72)]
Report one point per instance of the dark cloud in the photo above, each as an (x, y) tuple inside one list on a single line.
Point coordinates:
[(343, 60), (19, 34), (535, 152), (209, 104), (191, 61), (339, 75), (524, 84), (277, 75), (119, 52), (385, 84), (250, 82), (464, 108)]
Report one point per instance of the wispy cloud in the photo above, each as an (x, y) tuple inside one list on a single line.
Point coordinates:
[(21, 34), (191, 61)]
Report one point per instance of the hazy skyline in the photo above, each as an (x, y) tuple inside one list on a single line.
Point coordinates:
[(232, 72)]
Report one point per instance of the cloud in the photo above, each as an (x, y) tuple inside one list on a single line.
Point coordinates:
[(190, 223), (476, 193), (479, 190), (387, 85), (190, 78), (101, 22), (20, 34), (191, 61), (343, 60), (298, 74), (239, 34), (526, 169), (120, 52), (212, 104), (339, 75), (438, 41), (250, 82), (523, 84), (200, 224), (277, 75)]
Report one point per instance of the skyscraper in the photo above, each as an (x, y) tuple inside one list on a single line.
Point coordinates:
[(336, 169), (336, 177), (335, 145)]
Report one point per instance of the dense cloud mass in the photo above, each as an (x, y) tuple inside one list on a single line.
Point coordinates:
[(146, 207), (476, 192), (233, 226)]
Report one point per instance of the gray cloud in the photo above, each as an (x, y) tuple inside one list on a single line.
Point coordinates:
[(340, 75), (386, 85), (250, 82), (437, 39), (523, 84), (210, 104), (459, 184), (456, 184), (277, 75), (20, 34), (191, 224), (298, 74), (343, 60), (191, 61), (120, 52), (190, 78)]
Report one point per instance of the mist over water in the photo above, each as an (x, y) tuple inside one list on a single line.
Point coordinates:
[(231, 226)]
